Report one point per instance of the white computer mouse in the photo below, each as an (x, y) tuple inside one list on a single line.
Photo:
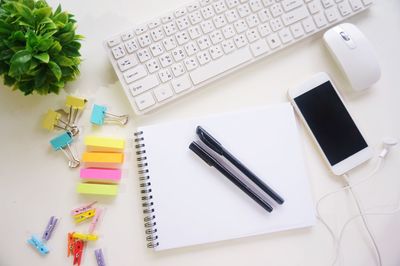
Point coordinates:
[(354, 54)]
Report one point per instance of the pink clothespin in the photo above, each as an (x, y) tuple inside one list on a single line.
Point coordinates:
[(82, 209), (95, 220)]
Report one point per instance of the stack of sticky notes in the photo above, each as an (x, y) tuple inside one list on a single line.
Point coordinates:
[(103, 159)]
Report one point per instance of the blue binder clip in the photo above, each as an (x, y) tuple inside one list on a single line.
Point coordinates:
[(100, 116), (62, 142), (99, 257), (38, 244), (49, 228)]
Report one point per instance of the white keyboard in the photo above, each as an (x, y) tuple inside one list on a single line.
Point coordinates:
[(172, 55)]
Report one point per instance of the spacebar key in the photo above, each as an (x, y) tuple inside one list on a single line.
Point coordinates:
[(221, 65)]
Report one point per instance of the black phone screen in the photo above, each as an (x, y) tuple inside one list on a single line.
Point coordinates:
[(331, 123)]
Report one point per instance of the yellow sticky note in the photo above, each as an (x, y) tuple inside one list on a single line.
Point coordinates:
[(97, 189), (104, 144), (50, 119), (103, 159), (75, 102)]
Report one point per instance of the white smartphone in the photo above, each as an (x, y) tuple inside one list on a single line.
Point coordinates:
[(325, 115)]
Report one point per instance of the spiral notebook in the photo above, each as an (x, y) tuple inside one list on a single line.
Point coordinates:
[(186, 202)]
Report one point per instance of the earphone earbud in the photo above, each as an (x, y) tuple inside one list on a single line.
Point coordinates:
[(388, 143)]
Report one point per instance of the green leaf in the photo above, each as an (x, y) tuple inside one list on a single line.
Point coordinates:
[(61, 18), (64, 61), (20, 63), (29, 3), (66, 37), (44, 57), (32, 40), (56, 47), (55, 69), (44, 44), (18, 36), (41, 13), (24, 11)]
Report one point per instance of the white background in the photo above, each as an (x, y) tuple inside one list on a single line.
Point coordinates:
[(36, 183)]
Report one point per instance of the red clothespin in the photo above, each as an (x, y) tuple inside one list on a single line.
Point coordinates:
[(71, 244), (78, 251)]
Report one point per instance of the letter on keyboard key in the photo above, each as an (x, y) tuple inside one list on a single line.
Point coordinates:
[(144, 85), (221, 65), (144, 100), (135, 74), (127, 62), (294, 16), (273, 41), (259, 47), (181, 84), (118, 51)]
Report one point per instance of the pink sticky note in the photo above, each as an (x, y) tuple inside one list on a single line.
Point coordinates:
[(100, 175)]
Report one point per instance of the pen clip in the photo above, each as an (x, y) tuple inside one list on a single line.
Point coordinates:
[(209, 140)]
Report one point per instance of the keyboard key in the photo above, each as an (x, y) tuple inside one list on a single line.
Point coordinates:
[(144, 40), (232, 15), (255, 5), (143, 55), (178, 54), (141, 29), (144, 101), (219, 21), (118, 51), (285, 35), (190, 63), (297, 30), (207, 12), (273, 40), (320, 20), (228, 46), (191, 48), (194, 32), (268, 2), (294, 16), (240, 40), (114, 41), (216, 51), (156, 49), (219, 6), (155, 23), (327, 3), (165, 75), (204, 42), (308, 24), (264, 29), (181, 84), (157, 34), (127, 62), (291, 4), (203, 57), (205, 2), (169, 43), (332, 14), (221, 65), (228, 31), (182, 37), (166, 59), (167, 18), (276, 24), (259, 47), (178, 69), (252, 20), (232, 3), (183, 23), (163, 92), (216, 37), (355, 4), (170, 28), (195, 17), (143, 85), (135, 74), (344, 8), (152, 65), (244, 10), (314, 6), (207, 26), (194, 6), (131, 45), (180, 12), (127, 35), (264, 15), (252, 35), (240, 26), (276, 10)]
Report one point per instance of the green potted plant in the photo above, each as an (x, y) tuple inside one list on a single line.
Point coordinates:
[(39, 49)]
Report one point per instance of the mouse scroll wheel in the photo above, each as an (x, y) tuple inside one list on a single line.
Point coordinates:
[(344, 36)]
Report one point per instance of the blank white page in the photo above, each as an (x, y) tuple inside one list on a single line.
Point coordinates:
[(195, 204)]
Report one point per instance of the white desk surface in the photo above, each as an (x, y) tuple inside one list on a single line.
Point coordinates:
[(36, 183)]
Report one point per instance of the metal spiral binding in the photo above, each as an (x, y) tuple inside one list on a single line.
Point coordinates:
[(145, 190)]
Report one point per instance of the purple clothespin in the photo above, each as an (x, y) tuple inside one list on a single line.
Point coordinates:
[(49, 228), (99, 257)]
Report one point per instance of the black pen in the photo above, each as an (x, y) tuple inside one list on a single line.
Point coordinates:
[(211, 161), (213, 144)]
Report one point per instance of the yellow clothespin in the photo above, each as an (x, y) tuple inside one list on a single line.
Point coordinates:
[(75, 105), (52, 120), (85, 237), (84, 216)]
